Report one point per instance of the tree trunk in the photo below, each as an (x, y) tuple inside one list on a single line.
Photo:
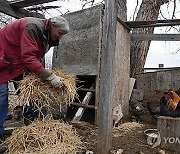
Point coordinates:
[(122, 9), (149, 10)]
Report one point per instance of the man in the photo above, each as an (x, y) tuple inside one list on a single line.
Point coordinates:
[(22, 45)]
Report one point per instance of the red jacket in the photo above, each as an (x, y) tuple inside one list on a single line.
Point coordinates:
[(22, 45)]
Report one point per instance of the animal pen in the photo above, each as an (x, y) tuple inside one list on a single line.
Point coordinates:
[(88, 52), (159, 81), (164, 79), (97, 51)]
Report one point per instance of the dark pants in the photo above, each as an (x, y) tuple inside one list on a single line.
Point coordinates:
[(3, 105)]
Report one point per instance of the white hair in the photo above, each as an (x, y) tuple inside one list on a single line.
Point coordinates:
[(61, 23)]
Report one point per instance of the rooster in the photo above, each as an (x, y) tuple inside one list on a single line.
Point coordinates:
[(162, 109), (173, 100)]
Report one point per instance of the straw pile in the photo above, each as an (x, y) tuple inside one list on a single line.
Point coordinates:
[(44, 137), (42, 94)]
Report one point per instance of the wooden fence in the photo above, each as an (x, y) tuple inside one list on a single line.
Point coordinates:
[(160, 80)]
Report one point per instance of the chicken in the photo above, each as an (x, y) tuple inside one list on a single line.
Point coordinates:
[(154, 111), (162, 110), (136, 110), (173, 100)]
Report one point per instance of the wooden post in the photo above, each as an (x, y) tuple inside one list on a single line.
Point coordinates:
[(107, 78), (169, 129)]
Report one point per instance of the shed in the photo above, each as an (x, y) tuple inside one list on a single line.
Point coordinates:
[(80, 53)]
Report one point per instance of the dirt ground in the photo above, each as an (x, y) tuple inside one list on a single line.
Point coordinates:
[(128, 137)]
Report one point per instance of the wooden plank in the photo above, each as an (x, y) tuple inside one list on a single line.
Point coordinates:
[(156, 37), (104, 140), (25, 3), (169, 132), (159, 80), (143, 82), (131, 86), (86, 89), (153, 81), (6, 8), (83, 105), (121, 69), (167, 76), (155, 23), (174, 82), (85, 101)]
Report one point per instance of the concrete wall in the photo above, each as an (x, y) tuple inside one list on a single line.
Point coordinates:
[(78, 50)]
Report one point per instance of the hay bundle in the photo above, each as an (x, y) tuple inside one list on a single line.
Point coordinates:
[(44, 137), (42, 94)]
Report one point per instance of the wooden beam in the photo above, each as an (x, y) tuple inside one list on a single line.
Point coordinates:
[(156, 37), (105, 124), (25, 3), (87, 90), (6, 8), (83, 105), (123, 23), (155, 23)]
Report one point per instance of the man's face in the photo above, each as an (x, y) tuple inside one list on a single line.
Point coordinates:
[(56, 34)]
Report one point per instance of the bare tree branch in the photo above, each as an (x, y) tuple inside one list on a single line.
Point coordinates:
[(174, 9), (41, 8), (135, 10)]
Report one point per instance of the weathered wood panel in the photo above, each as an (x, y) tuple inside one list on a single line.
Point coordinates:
[(122, 68), (153, 81), (143, 82), (169, 133), (78, 50), (160, 80)]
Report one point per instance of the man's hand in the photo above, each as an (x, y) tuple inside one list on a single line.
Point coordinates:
[(55, 80)]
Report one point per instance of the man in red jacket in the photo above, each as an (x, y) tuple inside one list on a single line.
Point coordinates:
[(23, 43)]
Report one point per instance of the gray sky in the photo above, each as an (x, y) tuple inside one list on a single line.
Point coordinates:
[(161, 52)]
